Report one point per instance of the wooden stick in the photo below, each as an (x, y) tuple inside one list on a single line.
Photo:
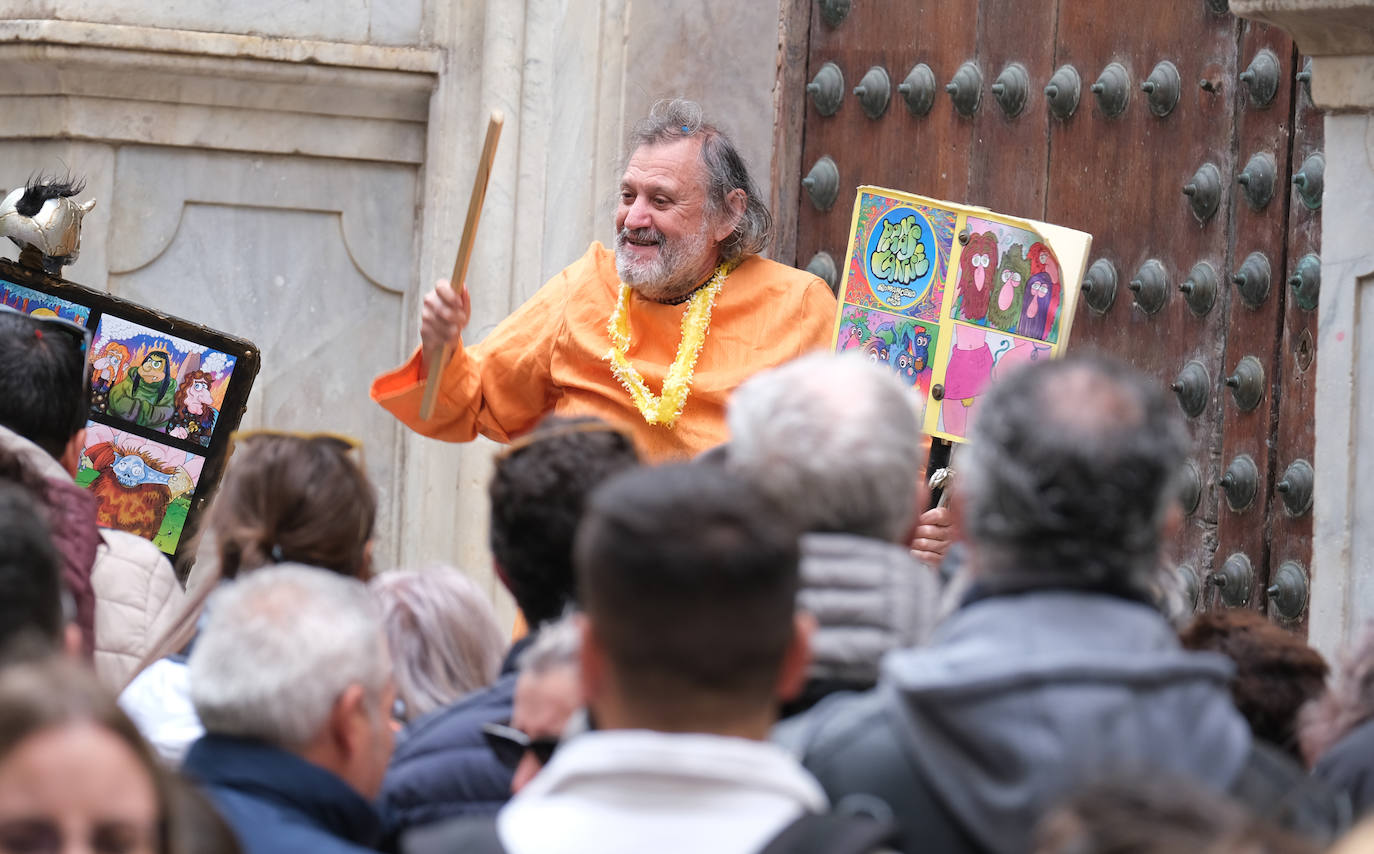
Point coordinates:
[(460, 264)]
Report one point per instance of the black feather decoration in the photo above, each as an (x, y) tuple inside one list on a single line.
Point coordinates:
[(41, 188)]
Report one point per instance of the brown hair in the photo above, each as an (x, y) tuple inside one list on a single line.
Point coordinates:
[(179, 399), (1276, 671), (51, 693), (1346, 703), (302, 499)]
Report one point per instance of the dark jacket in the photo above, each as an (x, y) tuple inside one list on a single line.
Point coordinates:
[(1348, 766), (278, 803), (1021, 699), (443, 768)]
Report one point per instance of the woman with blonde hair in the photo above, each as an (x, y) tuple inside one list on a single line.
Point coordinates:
[(443, 636), (284, 499)]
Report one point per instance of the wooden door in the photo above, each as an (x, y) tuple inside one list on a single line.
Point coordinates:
[(1119, 172)]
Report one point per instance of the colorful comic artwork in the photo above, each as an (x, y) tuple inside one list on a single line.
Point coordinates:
[(40, 304), (158, 381), (898, 257), (1008, 280), (141, 486), (976, 357), (905, 345)]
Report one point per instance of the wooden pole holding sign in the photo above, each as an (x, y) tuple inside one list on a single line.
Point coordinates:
[(460, 264)]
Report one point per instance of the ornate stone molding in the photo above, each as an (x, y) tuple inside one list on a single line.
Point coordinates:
[(61, 79), (1320, 27)]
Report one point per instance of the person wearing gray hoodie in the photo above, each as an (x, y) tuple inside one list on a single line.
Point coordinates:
[(1058, 669)]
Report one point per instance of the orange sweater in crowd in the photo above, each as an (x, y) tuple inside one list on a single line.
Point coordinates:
[(550, 356)]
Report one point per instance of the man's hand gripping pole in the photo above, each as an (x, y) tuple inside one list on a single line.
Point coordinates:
[(460, 264)]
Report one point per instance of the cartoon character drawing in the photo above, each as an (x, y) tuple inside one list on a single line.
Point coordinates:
[(975, 276), (132, 489), (146, 394), (1035, 307), (107, 368), (920, 350), (194, 415), (854, 331), (968, 372), (877, 350), (1005, 310)]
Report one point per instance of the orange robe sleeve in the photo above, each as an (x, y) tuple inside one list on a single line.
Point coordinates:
[(499, 388)]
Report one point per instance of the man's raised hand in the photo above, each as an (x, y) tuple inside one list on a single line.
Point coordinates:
[(443, 316)]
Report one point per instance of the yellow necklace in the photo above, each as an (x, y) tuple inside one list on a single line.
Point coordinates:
[(677, 384)]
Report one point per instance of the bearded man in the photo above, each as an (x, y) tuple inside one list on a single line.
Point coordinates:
[(653, 336)]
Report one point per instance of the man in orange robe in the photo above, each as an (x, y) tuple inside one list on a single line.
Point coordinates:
[(688, 212)]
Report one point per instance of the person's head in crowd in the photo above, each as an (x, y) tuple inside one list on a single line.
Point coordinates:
[(1346, 703), (806, 434), (1159, 816), (42, 385), (296, 658), (688, 580), (74, 773), (1073, 482), (547, 693), (538, 491), (1277, 673), (285, 498), (31, 616), (443, 637)]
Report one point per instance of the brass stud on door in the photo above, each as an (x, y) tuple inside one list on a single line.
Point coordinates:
[(1240, 482), (1233, 580), (918, 89), (1189, 586), (1257, 179), (966, 89), (1253, 278), (1200, 288), (1311, 180), (834, 11), (1150, 286), (827, 89), (1099, 285), (822, 183), (1261, 79), (1012, 89), (1288, 593), (1247, 384), (1193, 387), (1113, 89), (1204, 192), (1063, 91), (1219, 7), (874, 91), (1190, 488), (1296, 487), (822, 266), (1305, 77), (1306, 281), (1162, 88)]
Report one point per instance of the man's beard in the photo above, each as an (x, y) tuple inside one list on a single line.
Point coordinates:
[(672, 274)]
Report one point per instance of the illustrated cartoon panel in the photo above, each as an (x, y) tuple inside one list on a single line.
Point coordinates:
[(40, 304), (158, 381), (905, 345), (1009, 280), (973, 358), (141, 486), (899, 251)]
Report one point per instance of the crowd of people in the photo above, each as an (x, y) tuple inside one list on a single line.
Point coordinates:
[(752, 635)]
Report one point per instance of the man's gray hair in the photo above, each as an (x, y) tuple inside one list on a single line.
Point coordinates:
[(835, 439), (725, 172), (558, 644), (278, 648), (442, 633), (1070, 470)]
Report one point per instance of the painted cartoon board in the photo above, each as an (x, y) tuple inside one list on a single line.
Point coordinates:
[(950, 296), (165, 394)]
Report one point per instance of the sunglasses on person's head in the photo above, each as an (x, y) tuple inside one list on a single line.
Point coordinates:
[(510, 745)]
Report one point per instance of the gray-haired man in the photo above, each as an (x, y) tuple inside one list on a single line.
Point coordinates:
[(1059, 670), (651, 336)]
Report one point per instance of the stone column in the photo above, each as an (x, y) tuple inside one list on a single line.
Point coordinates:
[(1339, 36)]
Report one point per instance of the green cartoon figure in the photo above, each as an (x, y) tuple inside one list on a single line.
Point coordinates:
[(147, 394)]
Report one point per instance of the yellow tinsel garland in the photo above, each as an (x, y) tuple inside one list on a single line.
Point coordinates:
[(664, 409)]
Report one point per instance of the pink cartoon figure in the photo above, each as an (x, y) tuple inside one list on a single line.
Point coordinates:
[(970, 368)]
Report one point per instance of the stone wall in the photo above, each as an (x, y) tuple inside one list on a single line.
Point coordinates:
[(298, 173)]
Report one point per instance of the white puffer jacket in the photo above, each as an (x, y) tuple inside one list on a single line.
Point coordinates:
[(137, 596)]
